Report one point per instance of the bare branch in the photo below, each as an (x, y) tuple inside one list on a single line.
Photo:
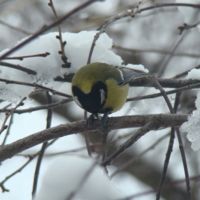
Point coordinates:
[(113, 123), (72, 12), (152, 124), (3, 127), (159, 51), (146, 82), (28, 56), (15, 28), (169, 185), (47, 106), (18, 67), (132, 13), (182, 151), (185, 72), (34, 85), (59, 37), (44, 146)]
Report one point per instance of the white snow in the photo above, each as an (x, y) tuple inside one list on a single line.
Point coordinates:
[(77, 51), (192, 126)]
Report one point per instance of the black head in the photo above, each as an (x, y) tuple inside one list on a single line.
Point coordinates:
[(94, 100)]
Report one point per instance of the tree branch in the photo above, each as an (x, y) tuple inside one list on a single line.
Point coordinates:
[(18, 67), (18, 146), (59, 21)]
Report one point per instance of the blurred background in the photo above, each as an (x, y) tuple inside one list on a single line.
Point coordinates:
[(165, 40)]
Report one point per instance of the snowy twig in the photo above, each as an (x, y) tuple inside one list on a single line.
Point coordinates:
[(54, 92), (59, 37), (186, 72), (28, 56), (113, 123), (26, 41), (161, 5), (18, 67), (186, 27)]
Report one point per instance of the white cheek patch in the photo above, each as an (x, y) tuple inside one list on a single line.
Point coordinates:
[(121, 74), (102, 95), (77, 101)]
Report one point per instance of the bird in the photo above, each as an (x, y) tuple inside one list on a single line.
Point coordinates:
[(101, 88)]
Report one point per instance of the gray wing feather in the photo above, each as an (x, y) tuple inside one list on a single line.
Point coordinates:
[(126, 75)]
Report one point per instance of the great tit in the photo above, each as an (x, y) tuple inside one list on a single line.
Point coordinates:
[(102, 88)]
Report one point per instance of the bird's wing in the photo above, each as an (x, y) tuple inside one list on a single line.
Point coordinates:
[(126, 75)]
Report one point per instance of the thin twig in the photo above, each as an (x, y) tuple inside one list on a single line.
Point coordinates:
[(62, 152), (169, 185), (34, 85), (129, 13), (104, 144), (8, 130), (15, 172), (21, 168), (31, 109), (193, 86), (131, 161), (152, 124), (185, 72), (159, 51), (132, 13), (179, 140), (57, 104), (44, 145), (86, 137), (169, 151), (83, 180), (168, 58), (187, 26), (15, 28), (59, 21), (59, 37), (28, 56), (18, 67), (145, 82), (7, 115)]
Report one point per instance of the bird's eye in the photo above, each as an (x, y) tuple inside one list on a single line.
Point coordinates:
[(77, 101), (102, 96)]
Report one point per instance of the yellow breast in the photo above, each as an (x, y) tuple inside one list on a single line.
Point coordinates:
[(116, 95)]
